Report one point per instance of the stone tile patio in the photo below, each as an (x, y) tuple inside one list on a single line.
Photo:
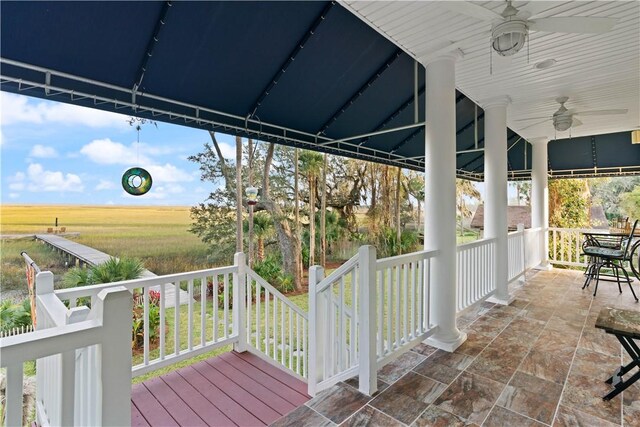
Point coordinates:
[(539, 361)]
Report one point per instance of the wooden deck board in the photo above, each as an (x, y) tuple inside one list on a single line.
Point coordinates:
[(223, 391), (275, 372), (173, 404), (262, 393), (277, 387), (152, 411)]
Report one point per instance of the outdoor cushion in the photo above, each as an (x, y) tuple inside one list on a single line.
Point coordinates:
[(600, 251)]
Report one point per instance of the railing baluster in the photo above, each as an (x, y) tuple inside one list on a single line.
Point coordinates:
[(282, 334), (203, 311), (190, 316), (145, 300), (266, 321), (299, 349), (176, 318), (380, 320), (258, 315), (342, 325), (162, 321), (249, 307), (215, 306), (275, 328), (226, 306), (405, 302), (290, 339), (421, 298), (13, 400), (389, 317)]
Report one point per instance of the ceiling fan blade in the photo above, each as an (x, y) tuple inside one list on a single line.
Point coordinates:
[(532, 118), (573, 24), (602, 112), (575, 122), (532, 125), (471, 9)]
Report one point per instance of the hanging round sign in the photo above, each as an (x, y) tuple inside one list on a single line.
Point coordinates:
[(136, 181)]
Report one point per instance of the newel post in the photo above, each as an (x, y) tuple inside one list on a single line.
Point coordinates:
[(317, 310), (239, 302), (368, 363), (44, 285), (114, 307)]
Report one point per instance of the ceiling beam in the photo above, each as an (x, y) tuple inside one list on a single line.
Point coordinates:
[(290, 58)]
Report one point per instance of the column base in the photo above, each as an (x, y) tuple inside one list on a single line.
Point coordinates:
[(447, 345), (502, 301), (545, 266)]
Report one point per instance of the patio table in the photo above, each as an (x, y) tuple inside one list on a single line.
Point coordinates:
[(625, 325)]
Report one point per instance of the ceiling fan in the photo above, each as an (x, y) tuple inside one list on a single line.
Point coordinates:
[(510, 29), (564, 118)]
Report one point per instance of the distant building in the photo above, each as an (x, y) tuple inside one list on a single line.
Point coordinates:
[(522, 215)]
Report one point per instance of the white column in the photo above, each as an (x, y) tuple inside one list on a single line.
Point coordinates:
[(495, 182), (540, 196), (440, 198)]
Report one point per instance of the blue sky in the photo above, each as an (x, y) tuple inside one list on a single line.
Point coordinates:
[(64, 154)]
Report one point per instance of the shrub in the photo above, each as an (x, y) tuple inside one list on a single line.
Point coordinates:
[(270, 270), (137, 332), (14, 315), (113, 270)]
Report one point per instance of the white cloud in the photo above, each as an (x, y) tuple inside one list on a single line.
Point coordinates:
[(42, 151), (21, 109), (37, 180), (168, 173), (14, 195), (227, 150), (105, 185), (107, 152)]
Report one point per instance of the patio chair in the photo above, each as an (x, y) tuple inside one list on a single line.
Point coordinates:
[(610, 258)]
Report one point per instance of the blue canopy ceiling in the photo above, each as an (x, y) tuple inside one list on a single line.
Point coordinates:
[(303, 73)]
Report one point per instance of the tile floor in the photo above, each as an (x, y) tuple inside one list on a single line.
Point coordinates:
[(536, 362)]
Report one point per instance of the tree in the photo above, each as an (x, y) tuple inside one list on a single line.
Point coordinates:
[(311, 165), (263, 228), (609, 192), (630, 203), (465, 190), (569, 203)]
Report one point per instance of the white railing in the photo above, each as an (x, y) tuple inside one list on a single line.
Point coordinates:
[(333, 325), (276, 328), (163, 336), (566, 246), (533, 247), (403, 290), (64, 374), (516, 254), (365, 314), (475, 265)]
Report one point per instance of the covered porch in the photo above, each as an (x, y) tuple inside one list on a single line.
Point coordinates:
[(339, 80)]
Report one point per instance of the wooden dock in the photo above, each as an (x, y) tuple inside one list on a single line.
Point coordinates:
[(233, 389), (90, 256)]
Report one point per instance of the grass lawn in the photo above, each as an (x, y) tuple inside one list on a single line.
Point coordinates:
[(158, 236)]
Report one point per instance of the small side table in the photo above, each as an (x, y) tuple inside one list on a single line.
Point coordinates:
[(625, 325)]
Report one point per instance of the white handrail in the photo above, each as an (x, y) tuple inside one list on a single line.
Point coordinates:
[(64, 383), (336, 274)]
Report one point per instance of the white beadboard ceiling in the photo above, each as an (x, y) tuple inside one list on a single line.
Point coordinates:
[(596, 72)]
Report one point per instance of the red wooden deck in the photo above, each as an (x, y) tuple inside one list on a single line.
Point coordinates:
[(228, 390)]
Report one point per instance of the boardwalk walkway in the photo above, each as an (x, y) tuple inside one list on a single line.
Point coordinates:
[(231, 389), (91, 256)]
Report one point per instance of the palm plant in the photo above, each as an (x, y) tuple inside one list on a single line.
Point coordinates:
[(311, 165), (113, 270), (262, 229)]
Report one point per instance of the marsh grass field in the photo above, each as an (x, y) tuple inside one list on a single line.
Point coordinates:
[(157, 235)]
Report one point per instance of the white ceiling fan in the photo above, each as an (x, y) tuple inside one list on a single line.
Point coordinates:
[(510, 29), (564, 118)]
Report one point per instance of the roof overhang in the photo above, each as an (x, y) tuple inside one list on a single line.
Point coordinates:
[(304, 74)]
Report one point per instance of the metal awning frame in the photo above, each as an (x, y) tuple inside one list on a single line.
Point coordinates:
[(251, 126)]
